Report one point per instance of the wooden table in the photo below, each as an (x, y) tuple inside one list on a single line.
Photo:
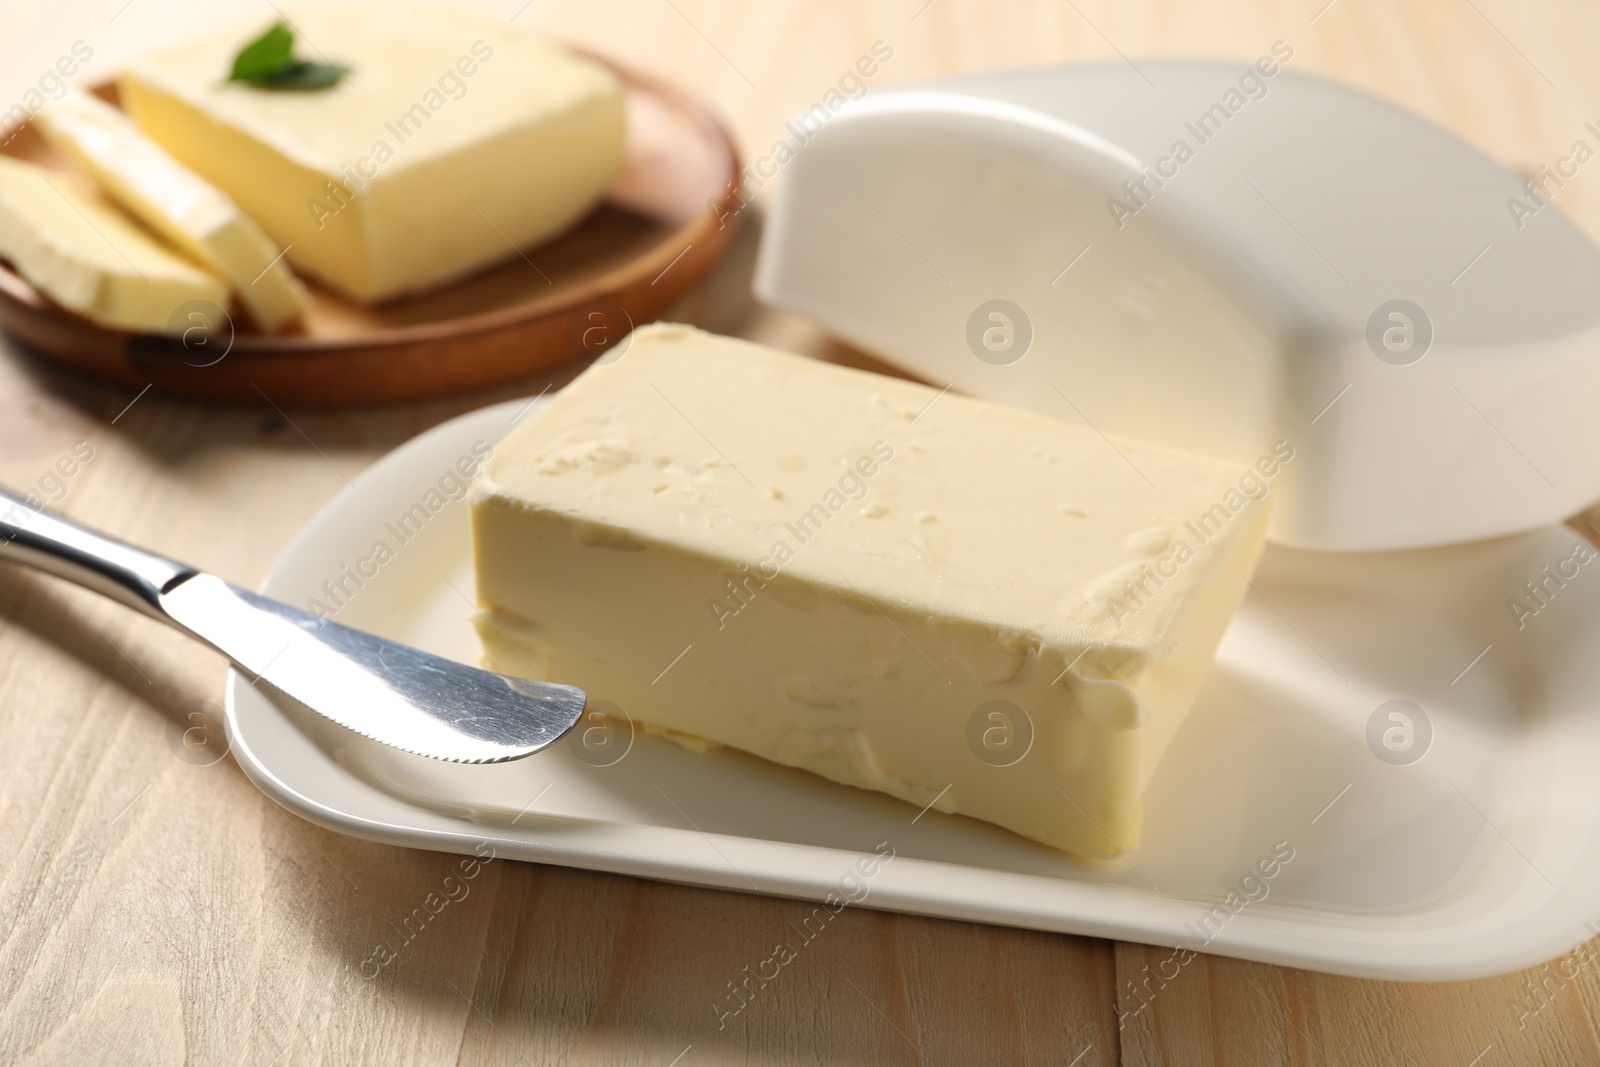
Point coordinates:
[(156, 911)]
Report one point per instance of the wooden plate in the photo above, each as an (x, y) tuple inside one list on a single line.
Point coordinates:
[(661, 228)]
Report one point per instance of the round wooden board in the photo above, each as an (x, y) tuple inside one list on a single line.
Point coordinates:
[(662, 226)]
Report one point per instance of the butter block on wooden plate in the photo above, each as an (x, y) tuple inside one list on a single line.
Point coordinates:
[(453, 140), (955, 603), (89, 257)]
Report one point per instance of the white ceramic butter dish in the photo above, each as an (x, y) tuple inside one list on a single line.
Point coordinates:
[(1218, 257), (1380, 718)]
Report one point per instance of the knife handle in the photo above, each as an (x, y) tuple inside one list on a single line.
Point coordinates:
[(36, 537)]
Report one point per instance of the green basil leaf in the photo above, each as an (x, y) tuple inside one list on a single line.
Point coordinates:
[(264, 56), (303, 76)]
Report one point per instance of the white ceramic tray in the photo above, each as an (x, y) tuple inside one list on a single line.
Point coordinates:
[(1481, 857)]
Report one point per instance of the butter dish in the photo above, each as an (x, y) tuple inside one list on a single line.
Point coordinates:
[(1215, 257), (1469, 847)]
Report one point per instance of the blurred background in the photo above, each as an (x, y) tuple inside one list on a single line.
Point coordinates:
[(1516, 80)]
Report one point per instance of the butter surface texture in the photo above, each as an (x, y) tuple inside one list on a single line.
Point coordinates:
[(454, 139), (91, 258), (949, 601), (191, 213)]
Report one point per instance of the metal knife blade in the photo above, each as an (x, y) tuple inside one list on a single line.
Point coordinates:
[(394, 694)]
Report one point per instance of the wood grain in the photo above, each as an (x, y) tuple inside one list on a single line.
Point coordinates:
[(161, 912)]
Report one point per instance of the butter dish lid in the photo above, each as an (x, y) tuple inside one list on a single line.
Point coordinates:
[(1232, 258)]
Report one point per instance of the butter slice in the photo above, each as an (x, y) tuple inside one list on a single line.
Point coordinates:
[(952, 602), (453, 140), (89, 257), (191, 213)]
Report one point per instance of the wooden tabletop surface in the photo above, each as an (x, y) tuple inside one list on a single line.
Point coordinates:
[(155, 911)]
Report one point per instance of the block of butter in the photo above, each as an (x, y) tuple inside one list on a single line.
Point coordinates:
[(191, 213), (91, 258), (453, 140), (955, 603)]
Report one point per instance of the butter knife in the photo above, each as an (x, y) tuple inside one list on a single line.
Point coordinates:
[(396, 695)]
